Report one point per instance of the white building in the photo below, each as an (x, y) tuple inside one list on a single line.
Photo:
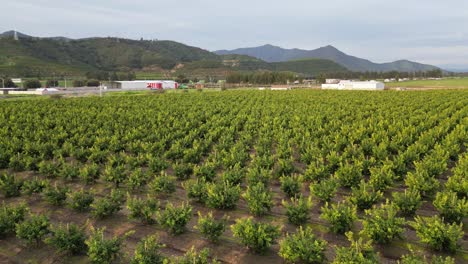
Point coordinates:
[(143, 85), (352, 85)]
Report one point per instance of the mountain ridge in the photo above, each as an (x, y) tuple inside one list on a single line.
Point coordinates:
[(271, 53)]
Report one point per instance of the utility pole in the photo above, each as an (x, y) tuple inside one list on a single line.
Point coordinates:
[(65, 82), (3, 82)]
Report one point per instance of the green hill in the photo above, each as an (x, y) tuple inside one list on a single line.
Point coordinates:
[(40, 57)]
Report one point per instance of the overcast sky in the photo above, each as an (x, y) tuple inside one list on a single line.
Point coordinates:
[(427, 31)]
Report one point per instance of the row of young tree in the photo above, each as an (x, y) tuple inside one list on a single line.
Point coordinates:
[(261, 77)]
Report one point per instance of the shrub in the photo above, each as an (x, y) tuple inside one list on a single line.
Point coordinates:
[(10, 216), (69, 172), (451, 208), (340, 216), (206, 171), (285, 167), (175, 218), (93, 83), (291, 185), (49, 169), (303, 247), (10, 186), (381, 177), (417, 259), (80, 200), (78, 83), (256, 175), (194, 257), (196, 189), (257, 236), (34, 186), (211, 228), (32, 84), (102, 250), (258, 199), (33, 229), (52, 83), (148, 251), (324, 190), (55, 195), (459, 184), (115, 175), (422, 182), (359, 252), (156, 165), (222, 195), (437, 234), (163, 184), (316, 172), (69, 238), (407, 202), (365, 196), (298, 210), (89, 173), (108, 205), (382, 224), (137, 179), (234, 175), (143, 210), (349, 175), (183, 171)]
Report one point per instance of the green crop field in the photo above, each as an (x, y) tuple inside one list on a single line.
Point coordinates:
[(304, 176), (444, 83)]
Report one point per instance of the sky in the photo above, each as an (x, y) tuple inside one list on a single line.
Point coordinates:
[(426, 31)]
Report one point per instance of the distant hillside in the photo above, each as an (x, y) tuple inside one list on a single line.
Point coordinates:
[(271, 53), (33, 56)]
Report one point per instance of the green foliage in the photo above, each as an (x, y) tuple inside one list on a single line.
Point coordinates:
[(422, 182), (68, 238), (303, 247), (175, 218), (382, 224), (381, 177), (50, 169), (194, 257), (116, 175), (255, 235), (258, 199), (163, 184), (108, 205), (33, 229), (206, 171), (349, 175), (55, 195), (234, 175), (291, 185), (143, 210), (80, 200), (360, 251), (324, 190), (211, 228), (451, 208), (407, 202), (298, 209), (418, 259), (89, 173), (183, 171), (196, 189), (10, 186), (35, 185), (222, 195), (148, 251), (365, 196), (102, 250), (137, 179), (436, 234), (11, 215), (31, 84), (340, 216)]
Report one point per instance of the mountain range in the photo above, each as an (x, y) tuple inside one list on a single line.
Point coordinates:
[(37, 56), (272, 53)]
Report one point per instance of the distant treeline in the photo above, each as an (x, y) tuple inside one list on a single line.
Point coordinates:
[(113, 76), (437, 73), (262, 77)]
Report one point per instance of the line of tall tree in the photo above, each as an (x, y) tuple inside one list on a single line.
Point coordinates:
[(436, 73), (113, 76), (262, 77)]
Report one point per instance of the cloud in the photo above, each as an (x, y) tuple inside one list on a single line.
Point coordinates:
[(427, 31)]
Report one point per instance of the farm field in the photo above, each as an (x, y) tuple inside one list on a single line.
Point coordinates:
[(372, 177), (439, 84)]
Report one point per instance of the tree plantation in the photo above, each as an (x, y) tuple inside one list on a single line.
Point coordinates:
[(301, 176)]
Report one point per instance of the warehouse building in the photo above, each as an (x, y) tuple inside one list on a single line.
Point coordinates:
[(354, 85), (143, 85)]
